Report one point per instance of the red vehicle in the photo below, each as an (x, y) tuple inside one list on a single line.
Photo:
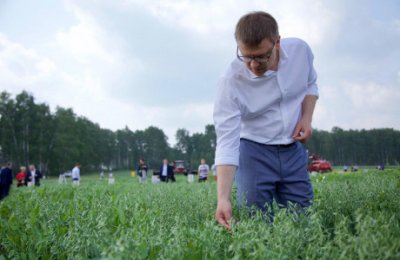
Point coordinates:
[(180, 167), (319, 165)]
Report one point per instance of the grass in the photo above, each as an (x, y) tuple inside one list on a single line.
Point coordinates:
[(354, 215)]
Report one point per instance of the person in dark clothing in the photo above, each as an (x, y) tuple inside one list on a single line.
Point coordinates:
[(142, 171), (6, 180), (166, 172), (171, 176), (34, 175)]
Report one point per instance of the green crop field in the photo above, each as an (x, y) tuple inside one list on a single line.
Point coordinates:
[(354, 216)]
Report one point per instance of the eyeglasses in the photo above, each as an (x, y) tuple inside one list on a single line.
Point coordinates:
[(260, 58)]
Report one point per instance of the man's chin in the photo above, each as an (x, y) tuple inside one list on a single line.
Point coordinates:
[(258, 73)]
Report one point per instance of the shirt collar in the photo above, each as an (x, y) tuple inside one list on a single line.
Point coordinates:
[(283, 56)]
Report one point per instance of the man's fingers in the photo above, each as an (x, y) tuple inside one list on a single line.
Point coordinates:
[(303, 136), (296, 132), (300, 135), (224, 222)]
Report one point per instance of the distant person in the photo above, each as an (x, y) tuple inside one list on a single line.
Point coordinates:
[(62, 179), (76, 174), (21, 177), (102, 175), (345, 168), (142, 171), (33, 176), (165, 171), (203, 171), (5, 180), (111, 179), (214, 170), (354, 168), (171, 175)]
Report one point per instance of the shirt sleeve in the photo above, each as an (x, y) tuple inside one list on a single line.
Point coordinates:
[(312, 88), (227, 120)]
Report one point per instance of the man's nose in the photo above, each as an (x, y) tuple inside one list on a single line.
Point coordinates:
[(254, 64)]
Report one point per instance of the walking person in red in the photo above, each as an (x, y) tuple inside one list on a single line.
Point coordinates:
[(21, 177)]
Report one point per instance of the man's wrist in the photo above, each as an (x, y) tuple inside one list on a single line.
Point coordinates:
[(223, 199), (306, 119)]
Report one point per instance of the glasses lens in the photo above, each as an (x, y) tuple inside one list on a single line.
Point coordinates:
[(260, 59), (244, 58)]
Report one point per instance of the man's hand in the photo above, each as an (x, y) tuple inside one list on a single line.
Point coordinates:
[(224, 213), (303, 131)]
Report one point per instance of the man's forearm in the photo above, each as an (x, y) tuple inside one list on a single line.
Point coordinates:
[(308, 106), (226, 175)]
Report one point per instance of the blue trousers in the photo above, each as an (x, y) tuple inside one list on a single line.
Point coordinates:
[(268, 172), (4, 191)]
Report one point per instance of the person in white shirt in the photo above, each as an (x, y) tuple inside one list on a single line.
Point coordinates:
[(164, 171), (214, 170), (76, 174), (203, 171), (111, 179), (262, 111), (167, 172), (33, 176)]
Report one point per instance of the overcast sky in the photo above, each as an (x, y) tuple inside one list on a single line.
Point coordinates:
[(141, 63)]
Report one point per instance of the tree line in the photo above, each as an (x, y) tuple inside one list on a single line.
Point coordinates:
[(361, 147), (31, 133)]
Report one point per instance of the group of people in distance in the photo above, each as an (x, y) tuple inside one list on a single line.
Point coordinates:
[(166, 172), (24, 178), (353, 168)]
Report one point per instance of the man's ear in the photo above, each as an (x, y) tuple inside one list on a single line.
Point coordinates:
[(278, 42)]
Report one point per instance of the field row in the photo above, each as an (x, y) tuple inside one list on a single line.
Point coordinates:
[(353, 216)]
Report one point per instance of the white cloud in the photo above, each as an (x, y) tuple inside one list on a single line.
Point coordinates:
[(85, 41), (310, 20), (360, 105), (115, 114), (373, 98), (94, 66), (396, 24), (104, 72), (21, 66)]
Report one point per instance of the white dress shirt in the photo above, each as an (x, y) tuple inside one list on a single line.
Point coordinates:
[(76, 173), (33, 175), (165, 170), (263, 109)]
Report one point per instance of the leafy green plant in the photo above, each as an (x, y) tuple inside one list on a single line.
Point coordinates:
[(353, 216)]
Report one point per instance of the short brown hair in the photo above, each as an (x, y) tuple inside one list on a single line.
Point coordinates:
[(254, 27)]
